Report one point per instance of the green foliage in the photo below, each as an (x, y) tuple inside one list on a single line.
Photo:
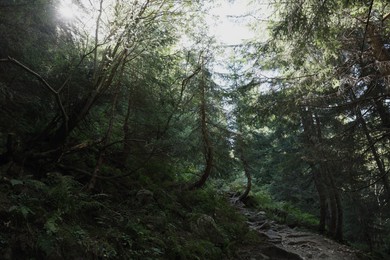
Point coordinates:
[(120, 120), (284, 212), (200, 250), (54, 218), (310, 120)]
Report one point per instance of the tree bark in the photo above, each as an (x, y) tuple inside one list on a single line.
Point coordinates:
[(336, 210), (330, 200), (247, 171), (321, 190), (208, 148), (372, 147), (126, 129)]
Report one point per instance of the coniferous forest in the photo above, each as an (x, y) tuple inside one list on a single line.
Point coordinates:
[(128, 131)]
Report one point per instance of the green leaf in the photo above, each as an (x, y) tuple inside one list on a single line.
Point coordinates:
[(15, 182), (51, 226), (13, 208), (25, 211)]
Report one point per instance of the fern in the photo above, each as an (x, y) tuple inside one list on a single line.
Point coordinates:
[(21, 210)]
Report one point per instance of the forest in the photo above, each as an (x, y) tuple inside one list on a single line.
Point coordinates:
[(128, 131)]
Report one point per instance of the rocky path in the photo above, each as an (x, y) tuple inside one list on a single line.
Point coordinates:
[(282, 242)]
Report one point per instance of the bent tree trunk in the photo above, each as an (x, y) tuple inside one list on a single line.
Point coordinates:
[(248, 185), (247, 172), (208, 148)]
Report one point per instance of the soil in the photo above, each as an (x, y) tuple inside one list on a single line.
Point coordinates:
[(282, 242)]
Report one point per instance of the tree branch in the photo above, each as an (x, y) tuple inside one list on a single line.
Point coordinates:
[(45, 83), (367, 24)]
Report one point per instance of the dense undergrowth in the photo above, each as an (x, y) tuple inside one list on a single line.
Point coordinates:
[(282, 211), (56, 218)]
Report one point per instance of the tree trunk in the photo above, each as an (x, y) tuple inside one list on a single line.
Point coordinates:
[(372, 147), (323, 178), (11, 147), (247, 172), (321, 190), (126, 131), (208, 148), (340, 215), (102, 152), (336, 220)]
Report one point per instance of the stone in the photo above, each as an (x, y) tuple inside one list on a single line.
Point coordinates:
[(144, 197), (273, 235), (265, 226), (259, 217), (323, 256)]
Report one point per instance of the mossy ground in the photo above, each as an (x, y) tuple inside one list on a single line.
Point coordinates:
[(56, 218)]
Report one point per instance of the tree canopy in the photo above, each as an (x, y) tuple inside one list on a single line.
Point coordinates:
[(124, 103)]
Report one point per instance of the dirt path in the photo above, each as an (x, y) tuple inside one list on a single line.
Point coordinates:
[(282, 242)]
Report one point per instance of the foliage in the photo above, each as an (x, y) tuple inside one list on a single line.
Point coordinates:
[(118, 139), (318, 120), (64, 221), (284, 212)]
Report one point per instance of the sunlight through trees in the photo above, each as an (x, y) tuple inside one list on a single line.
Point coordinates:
[(126, 125)]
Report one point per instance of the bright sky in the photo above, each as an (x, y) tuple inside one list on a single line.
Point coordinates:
[(227, 22), (66, 9), (229, 30)]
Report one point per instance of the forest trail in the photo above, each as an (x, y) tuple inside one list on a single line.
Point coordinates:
[(282, 242)]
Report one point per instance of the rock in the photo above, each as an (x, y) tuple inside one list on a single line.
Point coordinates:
[(280, 242), (323, 256), (278, 227), (259, 217), (274, 236), (205, 226), (144, 197), (298, 235), (265, 226), (300, 242)]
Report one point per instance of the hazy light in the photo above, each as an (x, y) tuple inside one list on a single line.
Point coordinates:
[(66, 9), (226, 28)]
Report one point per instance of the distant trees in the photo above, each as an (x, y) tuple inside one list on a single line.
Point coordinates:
[(331, 59)]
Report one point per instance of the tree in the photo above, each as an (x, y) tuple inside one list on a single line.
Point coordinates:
[(124, 52), (320, 58)]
